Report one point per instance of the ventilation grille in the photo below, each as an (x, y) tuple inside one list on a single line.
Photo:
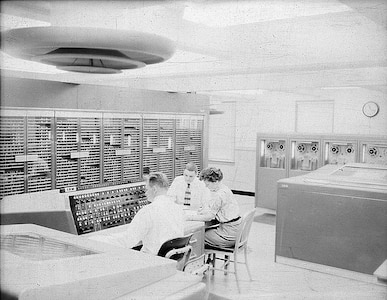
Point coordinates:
[(33, 246)]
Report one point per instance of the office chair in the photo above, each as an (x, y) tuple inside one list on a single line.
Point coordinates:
[(177, 249), (240, 245), (197, 266)]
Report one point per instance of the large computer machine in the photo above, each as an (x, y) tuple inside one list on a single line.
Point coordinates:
[(77, 212), (335, 216), (47, 251), (287, 155), (102, 210), (43, 263)]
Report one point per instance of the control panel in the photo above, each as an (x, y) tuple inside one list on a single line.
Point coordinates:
[(99, 209), (374, 153), (305, 155), (340, 152), (273, 153)]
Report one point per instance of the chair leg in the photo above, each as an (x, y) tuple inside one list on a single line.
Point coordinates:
[(208, 288), (226, 263), (209, 261), (247, 265), (236, 265), (236, 270), (213, 263)]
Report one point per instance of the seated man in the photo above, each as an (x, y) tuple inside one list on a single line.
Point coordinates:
[(153, 224), (187, 189)]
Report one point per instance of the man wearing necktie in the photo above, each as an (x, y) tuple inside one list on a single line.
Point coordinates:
[(188, 190), (187, 195)]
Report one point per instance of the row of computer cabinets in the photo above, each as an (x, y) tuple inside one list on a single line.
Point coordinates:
[(282, 156), (63, 149)]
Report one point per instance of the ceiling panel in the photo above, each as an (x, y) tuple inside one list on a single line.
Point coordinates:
[(226, 45)]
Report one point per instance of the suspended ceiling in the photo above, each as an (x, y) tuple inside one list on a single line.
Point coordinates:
[(239, 47)]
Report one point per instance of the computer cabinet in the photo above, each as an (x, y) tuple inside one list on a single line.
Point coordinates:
[(172, 141), (77, 149), (189, 139), (335, 216), (340, 151), (158, 143), (305, 155), (26, 152), (39, 151), (48, 149), (121, 147), (290, 155), (271, 166), (373, 150), (131, 147)]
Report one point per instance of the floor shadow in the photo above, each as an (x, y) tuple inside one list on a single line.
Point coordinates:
[(265, 218)]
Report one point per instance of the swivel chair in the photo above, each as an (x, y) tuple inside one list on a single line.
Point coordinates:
[(177, 249)]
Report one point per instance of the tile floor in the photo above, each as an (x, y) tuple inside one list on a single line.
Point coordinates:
[(273, 280)]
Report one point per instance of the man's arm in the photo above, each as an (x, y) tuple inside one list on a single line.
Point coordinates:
[(138, 228), (202, 216), (133, 234), (172, 191), (208, 212)]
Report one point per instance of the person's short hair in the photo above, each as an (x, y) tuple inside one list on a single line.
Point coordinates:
[(145, 170), (191, 167), (159, 179), (211, 174)]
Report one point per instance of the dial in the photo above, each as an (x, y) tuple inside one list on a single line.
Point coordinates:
[(370, 109)]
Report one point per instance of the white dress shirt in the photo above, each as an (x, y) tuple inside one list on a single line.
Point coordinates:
[(200, 194), (153, 224)]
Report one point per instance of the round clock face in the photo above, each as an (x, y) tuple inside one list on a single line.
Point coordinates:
[(370, 109)]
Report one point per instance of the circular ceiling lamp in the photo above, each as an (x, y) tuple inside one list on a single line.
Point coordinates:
[(88, 50), (88, 60)]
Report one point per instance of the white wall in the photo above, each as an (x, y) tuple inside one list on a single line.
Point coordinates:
[(277, 113)]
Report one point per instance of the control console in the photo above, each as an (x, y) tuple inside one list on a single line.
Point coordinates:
[(76, 212), (113, 206)]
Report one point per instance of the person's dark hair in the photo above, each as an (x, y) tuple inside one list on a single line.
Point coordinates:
[(146, 170), (211, 174), (159, 179), (191, 167)]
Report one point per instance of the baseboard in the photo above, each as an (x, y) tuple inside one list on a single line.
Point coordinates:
[(243, 193), (328, 270)]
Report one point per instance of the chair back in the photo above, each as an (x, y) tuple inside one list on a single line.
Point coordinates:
[(244, 230), (173, 244), (181, 255)]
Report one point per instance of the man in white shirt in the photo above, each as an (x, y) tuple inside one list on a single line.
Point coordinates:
[(188, 190), (153, 224)]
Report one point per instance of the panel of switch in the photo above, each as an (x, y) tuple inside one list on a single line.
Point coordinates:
[(100, 209)]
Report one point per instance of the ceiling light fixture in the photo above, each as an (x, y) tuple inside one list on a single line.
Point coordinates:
[(340, 87), (88, 50), (88, 60)]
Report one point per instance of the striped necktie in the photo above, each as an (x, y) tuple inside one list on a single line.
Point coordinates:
[(187, 195)]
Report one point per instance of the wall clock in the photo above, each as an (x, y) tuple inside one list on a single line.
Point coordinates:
[(370, 109)]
